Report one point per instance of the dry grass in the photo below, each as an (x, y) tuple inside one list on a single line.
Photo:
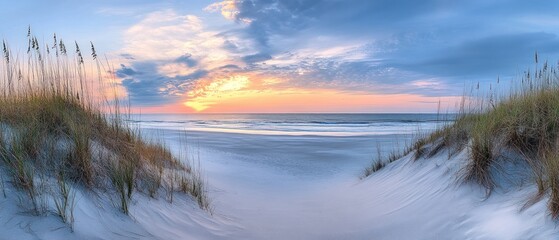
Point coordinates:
[(64, 200), (524, 120), (380, 160), (422, 144), (53, 128)]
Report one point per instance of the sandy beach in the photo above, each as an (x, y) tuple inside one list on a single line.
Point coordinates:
[(292, 187)]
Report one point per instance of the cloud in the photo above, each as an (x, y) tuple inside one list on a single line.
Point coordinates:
[(125, 71), (379, 46), (391, 44), (268, 18), (489, 56), (127, 56), (167, 35), (259, 57), (187, 60), (227, 8), (166, 52), (150, 88)]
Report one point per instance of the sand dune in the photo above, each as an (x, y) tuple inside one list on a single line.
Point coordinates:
[(305, 188)]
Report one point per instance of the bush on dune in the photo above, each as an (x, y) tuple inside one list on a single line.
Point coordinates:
[(55, 137), (524, 121)]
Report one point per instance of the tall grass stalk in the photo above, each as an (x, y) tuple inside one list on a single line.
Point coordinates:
[(64, 200), (58, 129)]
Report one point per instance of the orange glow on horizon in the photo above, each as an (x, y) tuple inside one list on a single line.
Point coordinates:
[(323, 100), (250, 94)]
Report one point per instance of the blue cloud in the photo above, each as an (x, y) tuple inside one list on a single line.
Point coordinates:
[(125, 71), (149, 88), (361, 18), (254, 58), (187, 59), (407, 41), (230, 66), (488, 56)]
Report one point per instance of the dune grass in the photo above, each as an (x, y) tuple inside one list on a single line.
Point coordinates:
[(523, 120), (58, 138), (417, 146), (380, 161)]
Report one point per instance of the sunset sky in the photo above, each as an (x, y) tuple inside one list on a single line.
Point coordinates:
[(297, 55)]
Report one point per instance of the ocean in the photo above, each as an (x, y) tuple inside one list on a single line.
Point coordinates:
[(296, 124), (304, 146)]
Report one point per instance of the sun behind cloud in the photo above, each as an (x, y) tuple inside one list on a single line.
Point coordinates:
[(255, 93), (210, 94), (211, 91)]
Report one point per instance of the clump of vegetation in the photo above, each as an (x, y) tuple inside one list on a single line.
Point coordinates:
[(64, 200), (421, 144), (56, 137), (524, 121), (381, 160)]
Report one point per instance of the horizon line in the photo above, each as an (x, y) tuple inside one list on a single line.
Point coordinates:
[(218, 113)]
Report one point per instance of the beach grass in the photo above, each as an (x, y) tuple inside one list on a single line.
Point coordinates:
[(490, 126), (57, 137)]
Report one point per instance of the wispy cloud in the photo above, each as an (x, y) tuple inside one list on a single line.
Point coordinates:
[(166, 52), (382, 47), (425, 39)]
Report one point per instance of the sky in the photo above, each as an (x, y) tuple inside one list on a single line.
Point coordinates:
[(172, 56)]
